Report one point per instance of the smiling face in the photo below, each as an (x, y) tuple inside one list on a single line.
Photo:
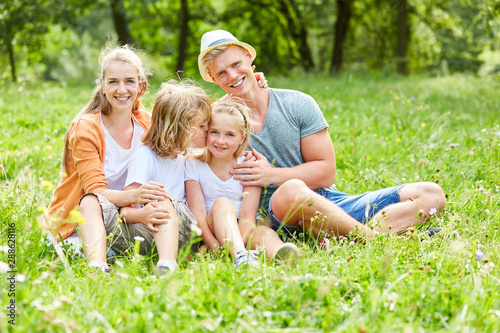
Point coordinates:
[(224, 136), (232, 71), (121, 85)]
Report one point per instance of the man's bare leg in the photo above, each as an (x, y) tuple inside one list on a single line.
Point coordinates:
[(294, 201), (419, 203)]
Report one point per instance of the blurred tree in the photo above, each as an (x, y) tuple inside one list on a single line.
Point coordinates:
[(121, 23), (403, 36), (297, 28), (183, 35), (23, 24), (344, 13)]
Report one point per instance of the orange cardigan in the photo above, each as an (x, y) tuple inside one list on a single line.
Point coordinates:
[(85, 173)]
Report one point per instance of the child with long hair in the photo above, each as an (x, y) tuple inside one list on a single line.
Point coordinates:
[(97, 148), (226, 211), (179, 121)]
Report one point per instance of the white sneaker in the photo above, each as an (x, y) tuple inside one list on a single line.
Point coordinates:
[(288, 253)]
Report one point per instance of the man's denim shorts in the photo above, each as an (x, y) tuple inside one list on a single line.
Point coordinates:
[(355, 206)]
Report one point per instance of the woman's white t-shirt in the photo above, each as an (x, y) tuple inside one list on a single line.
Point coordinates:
[(117, 158)]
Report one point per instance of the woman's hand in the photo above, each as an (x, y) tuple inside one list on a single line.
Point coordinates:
[(150, 192), (261, 79)]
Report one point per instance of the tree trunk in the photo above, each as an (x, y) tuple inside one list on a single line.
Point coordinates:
[(12, 61), (298, 32), (344, 13), (120, 22), (183, 37), (403, 38)]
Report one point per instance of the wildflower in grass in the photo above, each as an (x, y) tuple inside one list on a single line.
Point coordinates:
[(352, 243), (408, 101), (420, 212), (423, 125), (47, 184), (139, 292), (324, 243), (396, 98), (455, 233), (398, 140), (4, 267), (479, 255), (433, 211), (412, 98), (196, 230), (300, 223), (75, 217)]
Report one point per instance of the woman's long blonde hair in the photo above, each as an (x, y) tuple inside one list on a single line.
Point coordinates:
[(237, 110), (179, 108), (98, 102)]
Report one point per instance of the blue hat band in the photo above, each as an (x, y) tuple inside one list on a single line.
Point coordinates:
[(224, 40)]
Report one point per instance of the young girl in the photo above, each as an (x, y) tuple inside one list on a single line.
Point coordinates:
[(98, 145), (220, 202), (179, 121)]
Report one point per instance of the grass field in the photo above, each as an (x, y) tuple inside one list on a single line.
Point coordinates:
[(386, 131)]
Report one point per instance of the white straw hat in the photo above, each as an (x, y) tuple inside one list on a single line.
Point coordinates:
[(213, 39)]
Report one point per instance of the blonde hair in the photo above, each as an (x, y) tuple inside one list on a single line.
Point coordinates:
[(178, 109), (98, 101), (240, 113), (211, 55)]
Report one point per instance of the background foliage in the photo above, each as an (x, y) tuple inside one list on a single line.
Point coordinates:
[(58, 40)]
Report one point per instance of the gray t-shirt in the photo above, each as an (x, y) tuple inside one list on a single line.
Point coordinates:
[(292, 115)]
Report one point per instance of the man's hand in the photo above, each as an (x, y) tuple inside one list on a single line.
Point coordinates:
[(254, 170)]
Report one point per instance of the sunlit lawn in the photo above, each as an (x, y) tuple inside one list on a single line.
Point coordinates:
[(386, 131)]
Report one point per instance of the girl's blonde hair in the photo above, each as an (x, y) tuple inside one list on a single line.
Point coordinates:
[(240, 113), (180, 107), (98, 102)]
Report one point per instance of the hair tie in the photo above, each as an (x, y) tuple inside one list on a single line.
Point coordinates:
[(237, 108)]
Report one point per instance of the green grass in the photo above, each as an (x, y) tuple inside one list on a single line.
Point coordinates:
[(386, 131)]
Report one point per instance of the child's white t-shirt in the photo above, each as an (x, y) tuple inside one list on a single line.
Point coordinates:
[(117, 158), (212, 186), (146, 166)]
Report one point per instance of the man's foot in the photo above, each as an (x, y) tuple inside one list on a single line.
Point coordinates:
[(288, 253), (431, 232), (248, 258)]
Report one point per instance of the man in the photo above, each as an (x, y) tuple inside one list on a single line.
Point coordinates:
[(290, 132)]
